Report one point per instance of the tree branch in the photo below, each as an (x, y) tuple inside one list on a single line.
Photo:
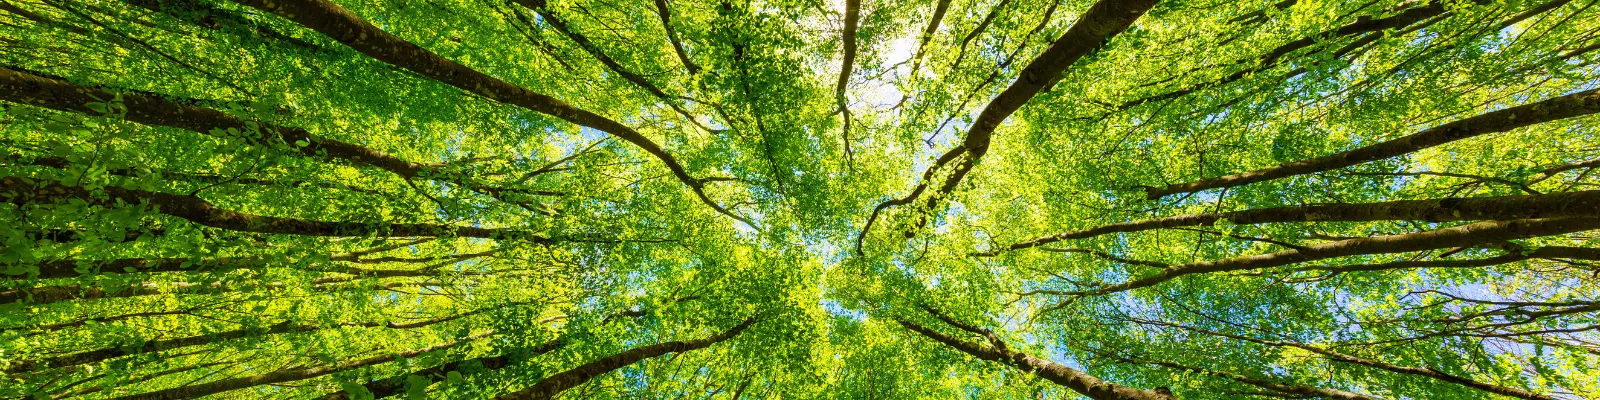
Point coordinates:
[(1569, 204), (1465, 235), (1568, 106), (1097, 26), (290, 374), (1077, 381), (552, 385), (345, 27)]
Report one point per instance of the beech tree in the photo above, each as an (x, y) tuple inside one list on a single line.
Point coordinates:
[(866, 199)]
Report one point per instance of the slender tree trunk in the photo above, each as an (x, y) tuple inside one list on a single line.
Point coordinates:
[(98, 355), (1362, 26), (1460, 236), (288, 375), (665, 12), (393, 385), (343, 26), (194, 209), (1415, 371), (554, 384), (59, 293), (1570, 204), (54, 94), (560, 24), (1103, 21), (1080, 382), (1285, 388), (1568, 106)]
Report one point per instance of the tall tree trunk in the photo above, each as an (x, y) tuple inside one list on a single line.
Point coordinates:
[(554, 384), (1570, 204), (289, 375), (345, 27), (1083, 383), (1568, 106)]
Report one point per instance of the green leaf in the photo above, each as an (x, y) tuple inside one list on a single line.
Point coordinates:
[(356, 390), (416, 387), (17, 269)]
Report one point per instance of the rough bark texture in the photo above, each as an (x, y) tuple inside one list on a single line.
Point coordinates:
[(1085, 384), (1572, 105), (1569, 204), (550, 386), (1460, 236)]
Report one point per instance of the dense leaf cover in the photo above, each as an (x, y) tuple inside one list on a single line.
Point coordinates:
[(866, 199)]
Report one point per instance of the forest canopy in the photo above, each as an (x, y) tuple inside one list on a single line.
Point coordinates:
[(862, 199)]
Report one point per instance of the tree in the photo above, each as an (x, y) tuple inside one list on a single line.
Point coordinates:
[(1105, 199)]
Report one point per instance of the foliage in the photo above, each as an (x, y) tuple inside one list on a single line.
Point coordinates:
[(1121, 199)]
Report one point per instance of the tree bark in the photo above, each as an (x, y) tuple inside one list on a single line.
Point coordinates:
[(588, 46), (1103, 21), (1078, 381), (852, 18), (1362, 25), (1568, 106), (554, 384), (1549, 252), (32, 89), (98, 355), (1460, 236), (20, 191), (287, 375), (54, 94), (1569, 204), (393, 385), (206, 15), (1345, 358), (1285, 388), (927, 35), (345, 27), (53, 294), (665, 13), (68, 268)]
